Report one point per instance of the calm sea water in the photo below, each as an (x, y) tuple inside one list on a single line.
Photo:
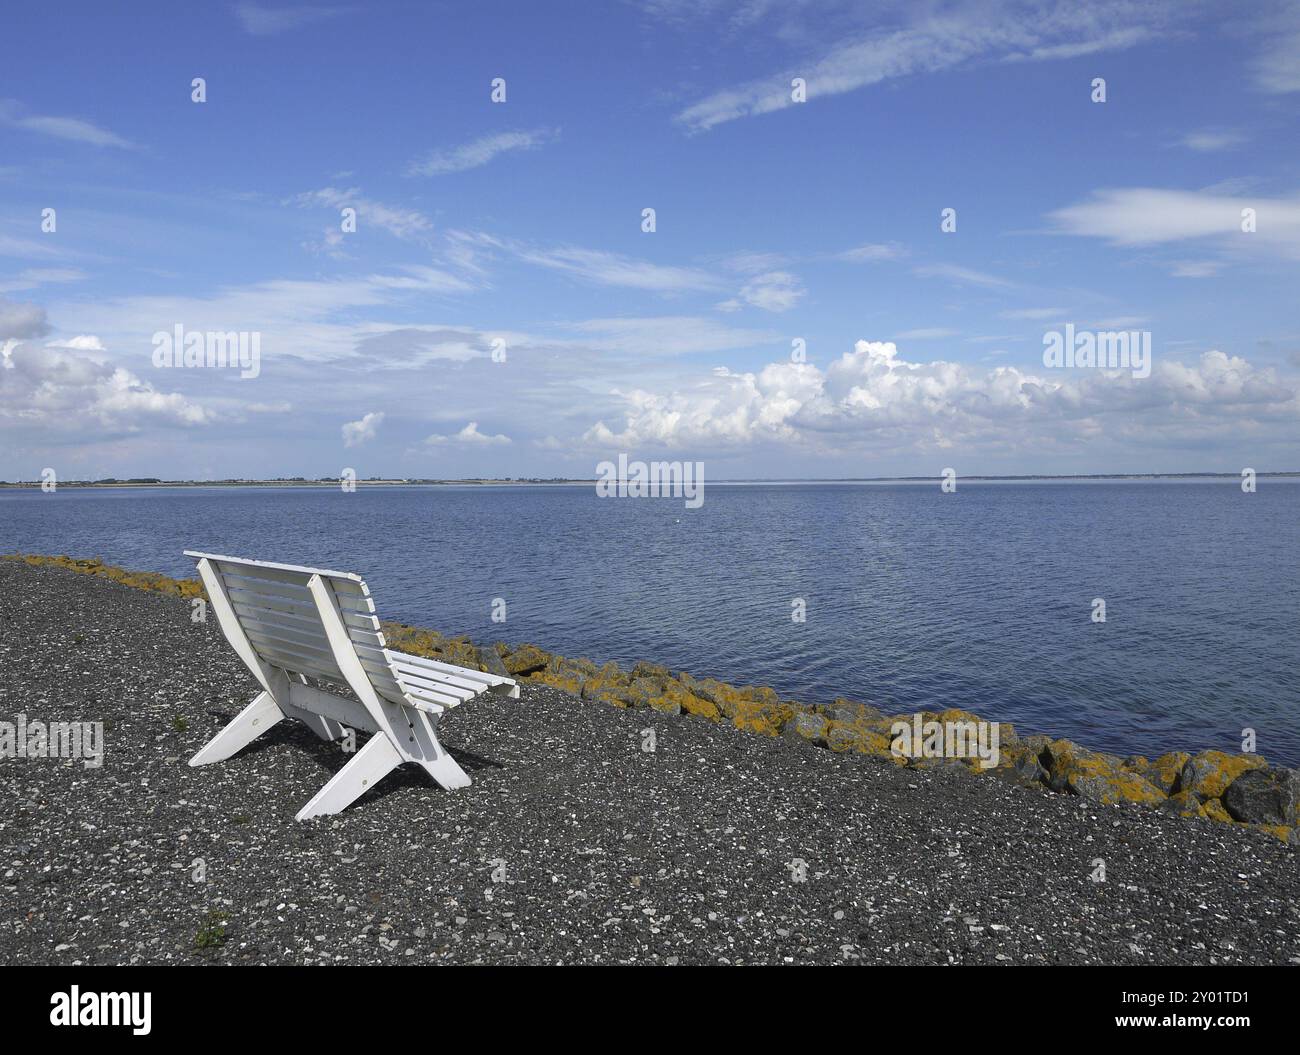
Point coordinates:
[(915, 599)]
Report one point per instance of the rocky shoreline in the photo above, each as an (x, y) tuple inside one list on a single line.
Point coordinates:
[(591, 834), (1214, 785)]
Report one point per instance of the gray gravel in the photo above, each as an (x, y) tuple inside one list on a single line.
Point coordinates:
[(603, 852)]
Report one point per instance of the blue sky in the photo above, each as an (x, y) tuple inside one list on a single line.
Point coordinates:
[(520, 222)]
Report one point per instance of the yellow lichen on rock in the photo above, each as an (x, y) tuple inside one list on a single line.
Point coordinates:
[(1209, 773)]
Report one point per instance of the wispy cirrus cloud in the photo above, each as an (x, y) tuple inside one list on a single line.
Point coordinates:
[(261, 21), (479, 152), (73, 129), (1208, 141), (933, 41), (963, 276), (596, 266)]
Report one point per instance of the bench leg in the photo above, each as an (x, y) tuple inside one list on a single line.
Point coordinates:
[(366, 769), (447, 772), (252, 722)]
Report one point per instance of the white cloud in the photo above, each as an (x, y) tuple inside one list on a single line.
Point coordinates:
[(963, 276), (83, 343), (471, 437), (65, 389), (1207, 142), (260, 21), (22, 320), (935, 41), (479, 152), (1275, 68), (358, 432), (873, 398), (34, 277), (1195, 269), (71, 128), (1151, 216), (402, 223), (593, 265), (667, 335), (871, 252), (776, 291)]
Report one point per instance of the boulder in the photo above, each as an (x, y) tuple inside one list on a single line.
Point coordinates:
[(767, 719), (1163, 772), (526, 659), (1208, 774), (809, 725), (491, 660), (1269, 795), (1094, 776)]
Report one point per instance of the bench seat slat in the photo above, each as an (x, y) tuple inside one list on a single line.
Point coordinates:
[(422, 676), (449, 687), (420, 662)]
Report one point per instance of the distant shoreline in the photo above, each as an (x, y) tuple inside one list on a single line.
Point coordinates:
[(327, 482)]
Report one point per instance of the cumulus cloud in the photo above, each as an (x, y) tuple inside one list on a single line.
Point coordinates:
[(470, 436), (872, 398), (358, 432), (61, 388), (22, 321)]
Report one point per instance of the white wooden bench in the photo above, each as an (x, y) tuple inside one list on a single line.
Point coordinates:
[(288, 624)]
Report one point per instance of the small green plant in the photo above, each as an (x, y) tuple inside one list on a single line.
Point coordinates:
[(180, 724), (241, 818), (212, 935), (78, 639)]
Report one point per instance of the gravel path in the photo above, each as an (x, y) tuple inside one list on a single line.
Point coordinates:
[(602, 851)]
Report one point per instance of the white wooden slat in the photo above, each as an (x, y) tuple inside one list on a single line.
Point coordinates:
[(245, 600), (427, 696), (364, 638), (296, 664), (301, 642), (419, 662), (295, 652), (272, 564), (432, 679), (264, 588), (311, 637), (284, 577)]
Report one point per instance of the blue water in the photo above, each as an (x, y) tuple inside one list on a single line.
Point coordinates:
[(915, 599)]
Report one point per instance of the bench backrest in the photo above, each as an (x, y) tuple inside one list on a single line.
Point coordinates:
[(277, 613)]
